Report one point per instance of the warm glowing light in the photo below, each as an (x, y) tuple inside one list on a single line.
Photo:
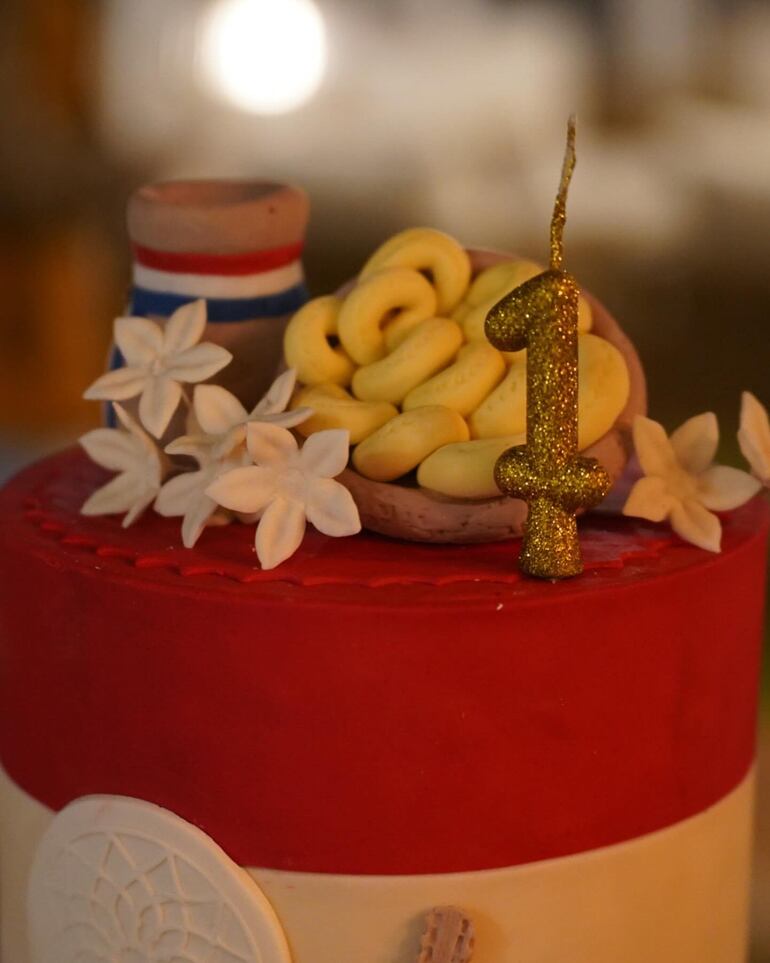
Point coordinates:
[(265, 56)]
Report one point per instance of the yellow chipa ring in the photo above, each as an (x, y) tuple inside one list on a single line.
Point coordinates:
[(429, 347), (429, 251), (307, 348), (463, 385), (397, 297)]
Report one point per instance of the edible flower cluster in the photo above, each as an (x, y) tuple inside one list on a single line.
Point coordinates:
[(246, 463), (681, 483)]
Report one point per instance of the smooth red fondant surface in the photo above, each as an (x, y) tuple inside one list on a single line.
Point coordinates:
[(371, 706)]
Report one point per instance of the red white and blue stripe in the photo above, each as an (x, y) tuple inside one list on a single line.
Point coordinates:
[(237, 287)]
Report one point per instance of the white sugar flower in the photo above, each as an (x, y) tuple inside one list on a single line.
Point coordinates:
[(217, 411), (288, 485), (158, 361), (140, 466), (216, 439), (185, 494), (682, 484), (754, 436)]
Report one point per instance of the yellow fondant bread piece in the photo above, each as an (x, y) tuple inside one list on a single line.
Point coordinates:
[(426, 350), (396, 296), (463, 385), (405, 441), (397, 331), (429, 251), (460, 313), (503, 277), (334, 407), (306, 346), (503, 411), (603, 387), (585, 315), (466, 469)]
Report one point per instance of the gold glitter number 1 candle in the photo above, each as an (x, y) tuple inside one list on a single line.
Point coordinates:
[(542, 316)]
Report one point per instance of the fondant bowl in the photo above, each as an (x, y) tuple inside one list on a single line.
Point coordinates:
[(419, 515)]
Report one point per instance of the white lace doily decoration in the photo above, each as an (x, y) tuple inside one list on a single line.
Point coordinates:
[(119, 880)]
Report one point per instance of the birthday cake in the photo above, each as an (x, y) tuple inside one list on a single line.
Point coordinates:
[(229, 737)]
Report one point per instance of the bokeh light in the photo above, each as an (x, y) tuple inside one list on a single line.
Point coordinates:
[(264, 56)]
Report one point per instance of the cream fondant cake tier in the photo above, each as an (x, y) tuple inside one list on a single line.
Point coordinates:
[(369, 732)]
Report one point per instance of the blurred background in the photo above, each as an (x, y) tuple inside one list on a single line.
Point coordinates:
[(393, 113)]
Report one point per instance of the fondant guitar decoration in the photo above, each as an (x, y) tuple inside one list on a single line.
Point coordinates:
[(448, 938)]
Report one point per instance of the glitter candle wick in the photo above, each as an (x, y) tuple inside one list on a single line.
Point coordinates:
[(559, 217)]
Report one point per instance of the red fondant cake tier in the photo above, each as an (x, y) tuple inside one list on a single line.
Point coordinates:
[(369, 707)]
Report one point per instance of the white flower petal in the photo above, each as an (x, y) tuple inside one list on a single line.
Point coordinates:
[(695, 442), (232, 447), (754, 436), (757, 457), (247, 489), (128, 422), (196, 519), (158, 403), (193, 446), (722, 488), (653, 448), (249, 519), (139, 340), (280, 532), (325, 453), (145, 444), (156, 469), (331, 509), (179, 494), (650, 499), (287, 419), (117, 496), (278, 394), (141, 503), (198, 363), (117, 385), (216, 409), (754, 416), (185, 327), (695, 524), (270, 445), (110, 448)]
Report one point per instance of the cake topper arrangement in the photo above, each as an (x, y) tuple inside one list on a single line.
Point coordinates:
[(406, 367), (547, 472), (443, 395)]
